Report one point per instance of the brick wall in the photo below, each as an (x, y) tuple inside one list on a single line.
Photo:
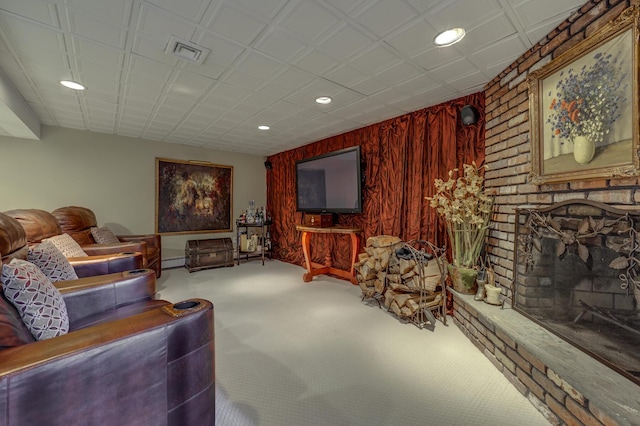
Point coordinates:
[(508, 150)]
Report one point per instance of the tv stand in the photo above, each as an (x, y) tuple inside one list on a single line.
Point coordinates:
[(313, 268)]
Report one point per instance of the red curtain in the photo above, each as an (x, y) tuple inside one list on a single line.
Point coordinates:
[(401, 157)]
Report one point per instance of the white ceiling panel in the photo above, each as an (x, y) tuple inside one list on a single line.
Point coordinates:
[(188, 9), (268, 61), (346, 43), (413, 38), (116, 11), (97, 30), (376, 60), (280, 45), (235, 24), (386, 15), (36, 10), (309, 20), (316, 62)]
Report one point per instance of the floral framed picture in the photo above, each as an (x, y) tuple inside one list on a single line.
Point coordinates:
[(193, 197), (584, 107)]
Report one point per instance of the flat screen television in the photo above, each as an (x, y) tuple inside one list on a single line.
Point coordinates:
[(330, 183)]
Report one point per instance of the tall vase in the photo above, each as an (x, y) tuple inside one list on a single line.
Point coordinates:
[(463, 279), (583, 149)]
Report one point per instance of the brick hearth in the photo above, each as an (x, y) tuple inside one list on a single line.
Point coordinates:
[(566, 385)]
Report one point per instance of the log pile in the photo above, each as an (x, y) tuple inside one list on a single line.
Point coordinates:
[(404, 284)]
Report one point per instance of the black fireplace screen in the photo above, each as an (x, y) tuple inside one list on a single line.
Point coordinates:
[(576, 274)]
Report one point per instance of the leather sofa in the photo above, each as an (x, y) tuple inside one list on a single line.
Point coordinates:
[(127, 359), (78, 221), (102, 258)]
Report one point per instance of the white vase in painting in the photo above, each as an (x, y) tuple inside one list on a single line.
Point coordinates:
[(583, 149)]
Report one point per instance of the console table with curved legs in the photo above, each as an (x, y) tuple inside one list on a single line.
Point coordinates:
[(314, 268)]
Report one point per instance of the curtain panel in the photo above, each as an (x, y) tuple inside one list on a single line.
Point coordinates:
[(401, 157)]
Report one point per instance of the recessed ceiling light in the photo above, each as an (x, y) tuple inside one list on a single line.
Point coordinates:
[(324, 100), (263, 127), (449, 37), (72, 85)]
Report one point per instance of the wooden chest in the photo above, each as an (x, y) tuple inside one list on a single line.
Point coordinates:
[(321, 220), (205, 254)]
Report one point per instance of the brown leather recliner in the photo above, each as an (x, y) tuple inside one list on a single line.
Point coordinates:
[(103, 258), (127, 359), (78, 221)]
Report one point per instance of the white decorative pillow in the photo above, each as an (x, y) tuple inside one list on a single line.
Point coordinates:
[(50, 260), (104, 236), (38, 302), (67, 245)]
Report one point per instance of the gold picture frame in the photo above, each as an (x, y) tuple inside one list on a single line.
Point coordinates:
[(193, 197), (583, 107)]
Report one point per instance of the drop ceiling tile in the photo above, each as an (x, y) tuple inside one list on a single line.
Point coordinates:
[(31, 34), (316, 62), (425, 5), (116, 11), (385, 16), (98, 53), (417, 85), (471, 13), (236, 25), (152, 49), (293, 79), (345, 76), (346, 43), (453, 70), (414, 38), (275, 91), (538, 32), (268, 8), (40, 11), (226, 91), (535, 12), (376, 60), (436, 57), (488, 32), (345, 97), (259, 65), (178, 103), (507, 49), (369, 86), (97, 30), (159, 25), (259, 101), (398, 73), (346, 6), (190, 85), (280, 45), (241, 79), (309, 20), (468, 81), (148, 69), (188, 9), (389, 96)]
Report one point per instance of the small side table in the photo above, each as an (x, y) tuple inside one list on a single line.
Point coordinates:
[(313, 268)]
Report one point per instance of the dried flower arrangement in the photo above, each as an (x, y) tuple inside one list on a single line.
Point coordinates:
[(466, 208), (587, 102)]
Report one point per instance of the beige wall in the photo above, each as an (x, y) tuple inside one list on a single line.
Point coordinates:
[(112, 175)]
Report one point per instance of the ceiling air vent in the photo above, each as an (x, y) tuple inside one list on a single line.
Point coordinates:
[(186, 50)]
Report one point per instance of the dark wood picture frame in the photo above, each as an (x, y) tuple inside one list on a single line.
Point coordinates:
[(193, 197), (588, 93)]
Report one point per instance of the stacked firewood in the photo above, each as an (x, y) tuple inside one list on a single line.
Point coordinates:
[(402, 279)]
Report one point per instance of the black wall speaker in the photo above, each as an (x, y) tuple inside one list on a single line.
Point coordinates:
[(268, 165), (469, 115)]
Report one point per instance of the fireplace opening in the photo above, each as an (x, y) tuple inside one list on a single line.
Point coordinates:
[(576, 264)]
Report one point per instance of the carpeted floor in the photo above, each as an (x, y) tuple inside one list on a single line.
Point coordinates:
[(295, 353)]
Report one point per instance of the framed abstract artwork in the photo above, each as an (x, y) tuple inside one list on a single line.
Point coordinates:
[(584, 107), (193, 197)]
